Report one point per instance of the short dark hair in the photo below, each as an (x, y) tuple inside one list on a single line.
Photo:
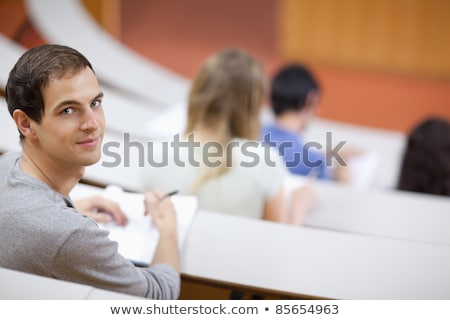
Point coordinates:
[(33, 71), (426, 160), (290, 88)]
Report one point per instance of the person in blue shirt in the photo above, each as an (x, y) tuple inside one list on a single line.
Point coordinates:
[(294, 96)]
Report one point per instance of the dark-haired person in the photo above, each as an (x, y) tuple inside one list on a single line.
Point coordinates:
[(55, 100), (426, 160), (294, 96)]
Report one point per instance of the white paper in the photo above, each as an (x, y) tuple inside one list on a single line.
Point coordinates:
[(363, 169), (138, 239)]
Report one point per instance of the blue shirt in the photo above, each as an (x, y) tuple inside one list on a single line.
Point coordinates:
[(300, 158)]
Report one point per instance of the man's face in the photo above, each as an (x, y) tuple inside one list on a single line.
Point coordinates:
[(72, 126)]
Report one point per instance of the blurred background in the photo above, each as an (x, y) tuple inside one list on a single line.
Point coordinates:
[(383, 64)]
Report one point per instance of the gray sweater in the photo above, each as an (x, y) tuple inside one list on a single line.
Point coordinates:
[(42, 233)]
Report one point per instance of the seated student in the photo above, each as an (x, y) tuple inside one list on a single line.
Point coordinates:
[(294, 96), (55, 100), (426, 160), (221, 161)]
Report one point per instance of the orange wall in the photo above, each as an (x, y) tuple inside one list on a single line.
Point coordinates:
[(397, 36), (107, 13), (383, 63)]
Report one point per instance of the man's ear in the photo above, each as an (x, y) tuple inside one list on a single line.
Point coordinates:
[(25, 125)]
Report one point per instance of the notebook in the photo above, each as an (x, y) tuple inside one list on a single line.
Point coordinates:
[(138, 239)]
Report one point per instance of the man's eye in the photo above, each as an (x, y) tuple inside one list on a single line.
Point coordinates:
[(96, 103), (67, 111)]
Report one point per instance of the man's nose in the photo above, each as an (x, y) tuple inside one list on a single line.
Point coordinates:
[(90, 121)]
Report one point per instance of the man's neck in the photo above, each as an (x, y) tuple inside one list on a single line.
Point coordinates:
[(58, 176), (292, 121)]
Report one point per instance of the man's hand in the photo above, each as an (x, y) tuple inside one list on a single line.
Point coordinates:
[(101, 209), (161, 209), (163, 214)]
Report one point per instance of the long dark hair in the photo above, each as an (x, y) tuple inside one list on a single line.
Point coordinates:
[(426, 160)]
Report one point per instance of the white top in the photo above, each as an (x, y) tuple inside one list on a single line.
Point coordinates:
[(256, 174)]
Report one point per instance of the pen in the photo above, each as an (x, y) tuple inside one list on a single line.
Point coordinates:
[(169, 194)]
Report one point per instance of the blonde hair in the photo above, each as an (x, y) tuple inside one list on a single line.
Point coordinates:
[(225, 98)]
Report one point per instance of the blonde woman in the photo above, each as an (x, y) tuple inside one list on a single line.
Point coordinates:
[(219, 158)]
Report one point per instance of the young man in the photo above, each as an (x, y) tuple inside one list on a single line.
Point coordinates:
[(294, 97), (55, 100)]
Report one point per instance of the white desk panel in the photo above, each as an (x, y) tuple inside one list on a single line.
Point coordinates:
[(100, 294), (24, 286), (17, 285), (385, 213), (9, 136), (313, 262)]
